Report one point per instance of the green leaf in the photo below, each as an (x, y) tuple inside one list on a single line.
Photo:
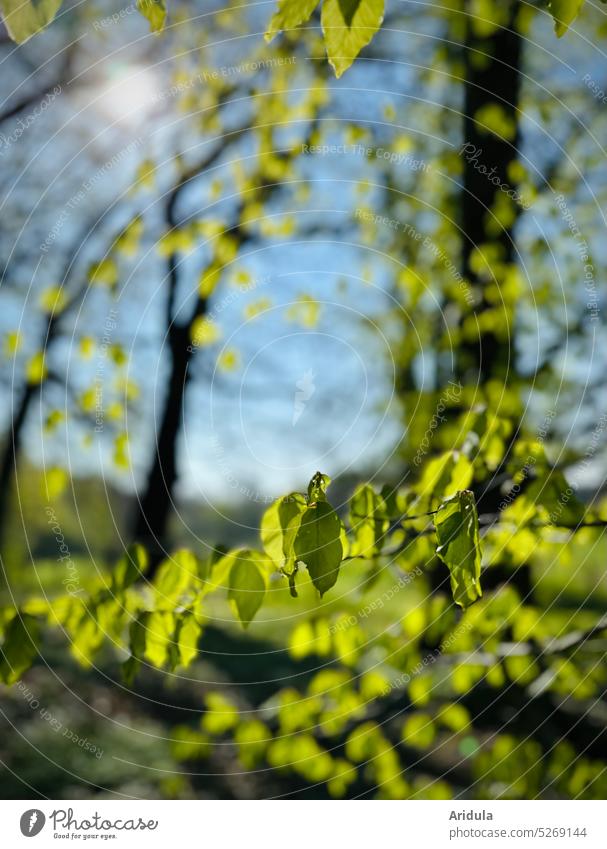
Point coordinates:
[(459, 548), (436, 475), (85, 634), (419, 731), (317, 488), (187, 744), (368, 521), (137, 642), (187, 634), (349, 25), (24, 18), (559, 499), (247, 583), (155, 11), (319, 546), (290, 14), (564, 13), (159, 642), (20, 647), (175, 576), (131, 566), (221, 714), (279, 527)]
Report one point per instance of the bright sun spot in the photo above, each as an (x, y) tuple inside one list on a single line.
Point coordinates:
[(128, 94)]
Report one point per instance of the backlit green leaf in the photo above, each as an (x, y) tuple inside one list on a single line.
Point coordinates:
[(24, 18), (175, 575), (19, 648), (279, 526), (187, 634), (137, 641), (456, 525), (221, 714), (419, 731), (564, 13), (290, 14), (248, 584), (130, 567), (368, 521), (318, 545), (317, 488), (349, 25), (155, 11), (160, 628)]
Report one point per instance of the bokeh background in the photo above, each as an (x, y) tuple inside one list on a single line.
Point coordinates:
[(223, 270)]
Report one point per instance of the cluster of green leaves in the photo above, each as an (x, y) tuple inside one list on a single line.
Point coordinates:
[(24, 18), (359, 726), (304, 542), (348, 25), (402, 669), (564, 13), (333, 731), (305, 531), (299, 531)]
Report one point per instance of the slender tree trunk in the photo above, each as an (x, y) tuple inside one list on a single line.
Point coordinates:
[(493, 84), (12, 448), (155, 505), (493, 81)]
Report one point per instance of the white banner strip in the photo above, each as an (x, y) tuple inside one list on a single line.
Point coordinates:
[(304, 824)]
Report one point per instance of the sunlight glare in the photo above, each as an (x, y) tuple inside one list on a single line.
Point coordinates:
[(128, 95)]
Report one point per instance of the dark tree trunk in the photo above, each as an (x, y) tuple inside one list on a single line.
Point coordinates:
[(12, 448), (155, 505), (493, 78)]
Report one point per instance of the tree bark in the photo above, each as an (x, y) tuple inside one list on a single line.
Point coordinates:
[(493, 77), (151, 521), (154, 507), (12, 448)]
